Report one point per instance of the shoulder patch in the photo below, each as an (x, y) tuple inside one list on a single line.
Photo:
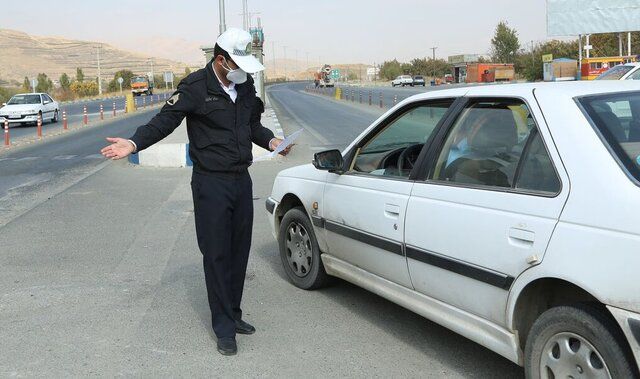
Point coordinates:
[(174, 99)]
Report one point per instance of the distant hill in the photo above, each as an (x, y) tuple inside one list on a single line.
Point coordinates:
[(27, 55)]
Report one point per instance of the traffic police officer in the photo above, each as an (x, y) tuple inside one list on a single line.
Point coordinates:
[(223, 119)]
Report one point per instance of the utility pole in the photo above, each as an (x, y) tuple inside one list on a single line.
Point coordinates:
[(152, 79), (245, 15), (284, 62), (433, 49), (273, 51), (99, 73), (223, 25), (307, 66), (533, 59)]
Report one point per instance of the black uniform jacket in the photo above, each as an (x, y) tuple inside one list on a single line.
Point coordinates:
[(220, 132)]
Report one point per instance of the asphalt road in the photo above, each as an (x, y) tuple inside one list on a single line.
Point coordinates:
[(100, 274), (34, 171), (75, 112)]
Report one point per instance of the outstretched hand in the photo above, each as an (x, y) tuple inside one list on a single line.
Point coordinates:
[(119, 148)]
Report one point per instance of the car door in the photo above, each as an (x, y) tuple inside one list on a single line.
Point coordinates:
[(365, 207), (43, 107), (485, 213), (48, 107)]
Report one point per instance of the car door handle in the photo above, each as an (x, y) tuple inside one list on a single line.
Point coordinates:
[(392, 210), (522, 235)]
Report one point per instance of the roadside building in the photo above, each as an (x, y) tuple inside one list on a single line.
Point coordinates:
[(468, 69), (560, 69), (591, 68)]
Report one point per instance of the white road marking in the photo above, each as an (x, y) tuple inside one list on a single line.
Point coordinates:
[(64, 157), (26, 159)]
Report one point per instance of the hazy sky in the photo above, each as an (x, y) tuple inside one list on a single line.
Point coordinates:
[(346, 31)]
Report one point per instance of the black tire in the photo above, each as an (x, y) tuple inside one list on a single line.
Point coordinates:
[(315, 276), (55, 117), (571, 323)]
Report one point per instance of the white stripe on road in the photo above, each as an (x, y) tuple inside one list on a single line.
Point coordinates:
[(93, 156), (63, 157), (26, 159)]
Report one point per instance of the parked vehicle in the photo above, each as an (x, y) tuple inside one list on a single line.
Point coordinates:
[(26, 108), (460, 206), (418, 80), (626, 71), (141, 85), (402, 80), (448, 78)]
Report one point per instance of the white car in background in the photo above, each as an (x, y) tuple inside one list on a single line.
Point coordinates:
[(28, 107), (626, 71), (402, 80), (508, 214)]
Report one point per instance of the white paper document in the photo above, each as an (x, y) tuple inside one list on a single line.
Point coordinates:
[(285, 143)]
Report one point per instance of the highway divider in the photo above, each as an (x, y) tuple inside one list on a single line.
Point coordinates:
[(349, 94)]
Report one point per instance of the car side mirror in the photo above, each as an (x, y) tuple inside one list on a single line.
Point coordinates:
[(46, 102), (330, 160)]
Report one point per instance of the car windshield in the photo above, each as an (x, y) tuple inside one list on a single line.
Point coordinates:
[(139, 79), (24, 99), (615, 73), (418, 77), (617, 118)]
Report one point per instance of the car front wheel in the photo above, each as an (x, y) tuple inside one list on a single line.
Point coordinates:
[(55, 117), (299, 251), (580, 341)]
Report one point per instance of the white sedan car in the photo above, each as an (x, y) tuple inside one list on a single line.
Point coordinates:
[(402, 80), (509, 214), (28, 107), (626, 71)]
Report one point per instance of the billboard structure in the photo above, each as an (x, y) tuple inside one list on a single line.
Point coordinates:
[(585, 17), (582, 17)]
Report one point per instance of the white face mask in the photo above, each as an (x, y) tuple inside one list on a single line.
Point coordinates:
[(238, 76)]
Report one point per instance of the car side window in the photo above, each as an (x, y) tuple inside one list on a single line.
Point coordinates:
[(394, 150), (537, 172), (486, 144), (634, 76), (48, 98)]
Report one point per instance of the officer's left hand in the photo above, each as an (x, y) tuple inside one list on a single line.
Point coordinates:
[(277, 141)]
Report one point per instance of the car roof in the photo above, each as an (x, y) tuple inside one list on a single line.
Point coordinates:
[(30, 93), (568, 89)]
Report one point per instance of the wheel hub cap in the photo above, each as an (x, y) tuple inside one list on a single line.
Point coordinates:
[(299, 251), (568, 355)]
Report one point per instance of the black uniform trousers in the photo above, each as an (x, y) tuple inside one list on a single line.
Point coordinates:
[(223, 207)]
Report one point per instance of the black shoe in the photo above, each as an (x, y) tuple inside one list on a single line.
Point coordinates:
[(227, 346), (244, 328)]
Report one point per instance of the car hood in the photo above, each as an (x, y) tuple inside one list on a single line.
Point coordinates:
[(307, 171), (20, 108)]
